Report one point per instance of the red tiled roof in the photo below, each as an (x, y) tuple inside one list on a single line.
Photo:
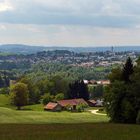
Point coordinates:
[(50, 105), (72, 102)]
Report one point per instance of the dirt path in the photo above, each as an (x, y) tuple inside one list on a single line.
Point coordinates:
[(96, 112)]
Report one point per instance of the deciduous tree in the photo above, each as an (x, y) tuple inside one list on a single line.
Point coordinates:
[(19, 95)]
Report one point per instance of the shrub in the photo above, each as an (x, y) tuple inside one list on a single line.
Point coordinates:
[(69, 108), (4, 90), (80, 107)]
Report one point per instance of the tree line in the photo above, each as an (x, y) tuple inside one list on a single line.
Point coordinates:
[(41, 89)]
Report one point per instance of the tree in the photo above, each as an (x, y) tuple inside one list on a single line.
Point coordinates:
[(127, 70), (58, 84), (47, 98), (34, 91), (122, 98), (78, 89), (59, 96), (19, 95), (98, 91), (83, 90), (119, 104), (116, 74), (73, 90)]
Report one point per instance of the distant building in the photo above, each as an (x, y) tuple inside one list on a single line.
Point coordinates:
[(53, 107), (112, 49), (86, 81), (92, 82), (91, 103), (72, 103), (103, 82)]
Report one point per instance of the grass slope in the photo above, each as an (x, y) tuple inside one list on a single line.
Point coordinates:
[(98, 131), (36, 124), (8, 115), (4, 100), (34, 114)]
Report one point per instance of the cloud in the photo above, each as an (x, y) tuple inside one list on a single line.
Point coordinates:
[(5, 6), (2, 27), (68, 35), (102, 13), (70, 22)]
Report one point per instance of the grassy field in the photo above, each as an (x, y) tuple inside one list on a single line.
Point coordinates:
[(37, 107), (4, 100), (34, 114), (8, 115), (99, 69), (33, 123), (104, 131)]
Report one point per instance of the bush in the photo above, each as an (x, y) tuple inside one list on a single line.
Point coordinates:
[(80, 107), (4, 90), (69, 108)]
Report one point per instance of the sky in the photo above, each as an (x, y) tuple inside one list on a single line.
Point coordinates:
[(70, 22)]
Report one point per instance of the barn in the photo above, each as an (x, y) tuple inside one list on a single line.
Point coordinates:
[(72, 103), (53, 107)]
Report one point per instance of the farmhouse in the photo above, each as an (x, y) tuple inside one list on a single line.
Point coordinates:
[(72, 103), (91, 103), (103, 82), (53, 107)]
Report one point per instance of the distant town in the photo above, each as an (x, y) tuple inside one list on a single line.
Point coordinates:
[(83, 59)]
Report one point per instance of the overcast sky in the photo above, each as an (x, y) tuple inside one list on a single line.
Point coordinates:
[(70, 22)]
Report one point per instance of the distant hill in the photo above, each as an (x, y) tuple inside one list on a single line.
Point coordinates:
[(21, 49), (27, 49)]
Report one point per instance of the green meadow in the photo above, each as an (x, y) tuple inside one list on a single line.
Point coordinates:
[(33, 123), (8, 115), (34, 114)]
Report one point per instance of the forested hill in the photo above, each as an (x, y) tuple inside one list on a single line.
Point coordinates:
[(20, 49), (27, 49)]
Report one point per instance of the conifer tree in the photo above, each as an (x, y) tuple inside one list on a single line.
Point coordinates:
[(127, 70)]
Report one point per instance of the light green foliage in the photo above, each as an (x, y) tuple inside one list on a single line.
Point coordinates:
[(47, 98), (40, 83), (19, 95), (80, 107), (59, 96), (72, 72)]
